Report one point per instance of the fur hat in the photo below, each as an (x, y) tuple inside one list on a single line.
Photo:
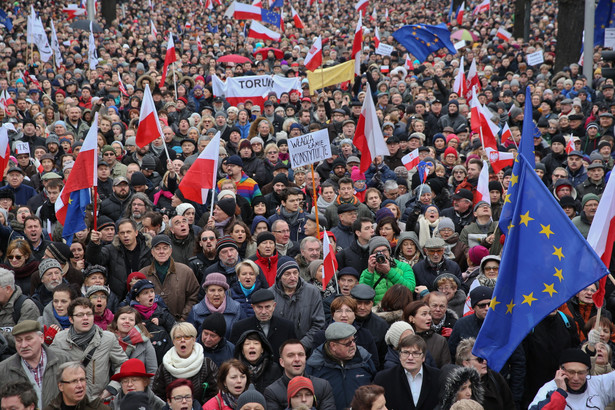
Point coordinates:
[(456, 378)]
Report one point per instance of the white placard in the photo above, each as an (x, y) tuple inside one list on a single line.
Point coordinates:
[(460, 44), (384, 49), (22, 148), (309, 148), (535, 58), (609, 37)]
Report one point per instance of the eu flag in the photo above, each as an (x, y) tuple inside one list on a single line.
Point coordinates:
[(422, 40), (423, 171), (603, 19), (545, 262), (271, 17), (75, 213), (6, 20), (277, 3)]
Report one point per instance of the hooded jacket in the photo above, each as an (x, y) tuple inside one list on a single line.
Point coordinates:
[(453, 382), (265, 371)]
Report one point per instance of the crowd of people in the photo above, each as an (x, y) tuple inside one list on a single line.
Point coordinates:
[(165, 303)]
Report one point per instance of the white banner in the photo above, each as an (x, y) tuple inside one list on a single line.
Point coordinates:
[(609, 38), (254, 87), (39, 37), (309, 148), (384, 49), (535, 58)]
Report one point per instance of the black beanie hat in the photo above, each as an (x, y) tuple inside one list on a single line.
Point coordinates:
[(264, 236), (228, 206), (215, 323), (573, 355), (495, 186), (280, 178), (558, 138)]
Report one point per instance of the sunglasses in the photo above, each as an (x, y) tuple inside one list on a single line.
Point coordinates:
[(17, 257), (483, 305)]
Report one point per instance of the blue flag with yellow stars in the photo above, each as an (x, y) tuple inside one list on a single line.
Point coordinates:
[(75, 213), (545, 262), (421, 40), (526, 148), (604, 18)]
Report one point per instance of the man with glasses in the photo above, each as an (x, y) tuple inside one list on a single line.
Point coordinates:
[(97, 352), (411, 384), (73, 384), (571, 388), (589, 206), (207, 257), (434, 264), (342, 363)]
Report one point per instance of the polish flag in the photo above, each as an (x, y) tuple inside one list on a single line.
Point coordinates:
[(472, 79), (38, 165), (408, 63), (506, 134), (209, 5), (149, 127), (241, 11), (34, 81), (313, 60), (361, 6), (296, 18), (169, 59), (376, 37), (257, 30), (570, 145), (73, 10), (199, 44), (368, 135), (84, 174), (482, 189), (121, 86), (460, 85), (503, 34), (329, 263), (150, 4), (357, 46), (5, 149), (153, 28), (258, 3), (374, 15), (460, 12), (411, 160), (482, 7), (201, 176), (499, 160), (601, 234)]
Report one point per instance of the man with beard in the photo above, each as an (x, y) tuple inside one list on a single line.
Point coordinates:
[(51, 274), (182, 237), (138, 205), (116, 204), (207, 257), (227, 252)]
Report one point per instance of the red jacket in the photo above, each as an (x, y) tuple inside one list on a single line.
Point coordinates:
[(269, 266)]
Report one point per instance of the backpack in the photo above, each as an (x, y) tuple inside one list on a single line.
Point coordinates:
[(17, 307)]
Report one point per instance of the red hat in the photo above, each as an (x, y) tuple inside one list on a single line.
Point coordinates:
[(451, 150), (296, 384), (134, 275), (131, 368), (184, 99)]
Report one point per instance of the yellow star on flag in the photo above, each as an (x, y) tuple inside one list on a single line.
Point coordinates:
[(549, 289), (514, 179), (70, 200), (546, 229), (558, 253), (529, 299), (507, 198), (558, 274), (525, 218), (510, 307), (510, 226), (493, 303)]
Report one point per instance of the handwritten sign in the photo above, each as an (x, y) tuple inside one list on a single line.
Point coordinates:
[(22, 148), (309, 148), (609, 38), (384, 49), (535, 58), (460, 44)]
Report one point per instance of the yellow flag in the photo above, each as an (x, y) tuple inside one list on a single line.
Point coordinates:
[(330, 76)]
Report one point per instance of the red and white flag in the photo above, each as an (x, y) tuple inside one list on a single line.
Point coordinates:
[(34, 81), (73, 10), (570, 145), (376, 37), (499, 160), (313, 60), (482, 188), (374, 15), (460, 12), (241, 11), (503, 34), (120, 85), (296, 18), (472, 79), (411, 160), (5, 148), (85, 171), (361, 5), (460, 85), (482, 7), (357, 46), (169, 59), (258, 3), (199, 44), (201, 176), (506, 133), (153, 28), (257, 30), (149, 127), (368, 136), (150, 3), (329, 261), (408, 63)]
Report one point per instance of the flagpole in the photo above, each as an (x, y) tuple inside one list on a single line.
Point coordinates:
[(175, 85), (315, 200), (95, 202)]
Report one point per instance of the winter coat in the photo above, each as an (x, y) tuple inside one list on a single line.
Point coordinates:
[(220, 353), (426, 273), (437, 346), (254, 168), (397, 390), (180, 289), (107, 358), (12, 370), (29, 310), (277, 399), (580, 314), (455, 379), (154, 402), (232, 314), (473, 235), (235, 293), (354, 256), (363, 338), (269, 265), (183, 249), (85, 404), (114, 207), (497, 394), (303, 308), (296, 229), (400, 274), (113, 257), (270, 368), (344, 235), (582, 224), (280, 330), (344, 378), (217, 403), (203, 383)]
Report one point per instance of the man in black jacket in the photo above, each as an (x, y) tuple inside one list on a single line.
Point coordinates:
[(115, 205), (378, 327), (357, 254), (276, 329)]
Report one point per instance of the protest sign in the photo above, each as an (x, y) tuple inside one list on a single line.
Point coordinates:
[(309, 148)]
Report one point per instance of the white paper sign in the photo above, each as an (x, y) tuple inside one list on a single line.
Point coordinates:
[(309, 148), (609, 37), (384, 49), (22, 148), (535, 58), (460, 44)]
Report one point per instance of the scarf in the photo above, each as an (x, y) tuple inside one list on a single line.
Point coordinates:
[(104, 320), (81, 339), (425, 229), (160, 193), (247, 292), (184, 368), (322, 204), (63, 320), (134, 337), (485, 281), (257, 369), (219, 226), (290, 217), (162, 270), (229, 399), (146, 312), (156, 150), (353, 201), (212, 309)]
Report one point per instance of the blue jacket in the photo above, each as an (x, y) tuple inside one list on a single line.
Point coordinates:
[(233, 313), (221, 353), (296, 229), (22, 193), (237, 294), (344, 380)]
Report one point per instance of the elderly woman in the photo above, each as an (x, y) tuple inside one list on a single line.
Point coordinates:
[(133, 336), (581, 308), (427, 224), (408, 249), (253, 349), (487, 274), (418, 314), (450, 286), (315, 268), (186, 361), (179, 396), (216, 300), (19, 259), (250, 279), (233, 380), (134, 378), (443, 319)]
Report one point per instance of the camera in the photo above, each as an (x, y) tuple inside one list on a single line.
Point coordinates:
[(381, 257)]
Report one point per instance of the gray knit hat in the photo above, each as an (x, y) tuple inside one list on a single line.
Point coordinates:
[(446, 222), (47, 264), (251, 396), (377, 241), (97, 288), (285, 263), (395, 331)]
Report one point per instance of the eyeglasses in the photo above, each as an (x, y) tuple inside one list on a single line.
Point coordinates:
[(108, 154), (129, 380), (81, 380), (178, 338), (478, 359), (435, 251), (349, 343), (16, 257), (283, 231), (81, 315), (483, 305), (98, 297), (208, 238), (187, 397), (406, 353), (573, 373), (491, 268)]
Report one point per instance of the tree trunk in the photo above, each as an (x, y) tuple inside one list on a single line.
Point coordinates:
[(108, 11), (570, 19), (519, 18)]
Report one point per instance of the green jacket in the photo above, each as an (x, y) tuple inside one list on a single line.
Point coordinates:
[(401, 274)]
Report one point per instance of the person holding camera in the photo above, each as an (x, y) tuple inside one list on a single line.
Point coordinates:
[(383, 271)]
